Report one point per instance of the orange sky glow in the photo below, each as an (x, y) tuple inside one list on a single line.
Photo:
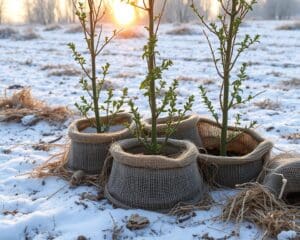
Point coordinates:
[(122, 13)]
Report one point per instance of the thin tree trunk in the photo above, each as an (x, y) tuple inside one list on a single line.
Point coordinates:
[(223, 143), (93, 61), (151, 66)]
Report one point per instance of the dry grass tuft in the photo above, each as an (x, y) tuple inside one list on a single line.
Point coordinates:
[(74, 29), (22, 103), (268, 104), (292, 83), (291, 26), (193, 79), (208, 81), (257, 205), (55, 166), (52, 27), (60, 70), (181, 30), (187, 79), (130, 33), (65, 72), (41, 147), (182, 209), (127, 75), (8, 33), (293, 136), (27, 35)]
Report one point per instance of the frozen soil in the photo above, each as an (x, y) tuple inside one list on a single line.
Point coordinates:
[(28, 208)]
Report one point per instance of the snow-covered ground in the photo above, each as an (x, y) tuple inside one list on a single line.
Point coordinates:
[(27, 212)]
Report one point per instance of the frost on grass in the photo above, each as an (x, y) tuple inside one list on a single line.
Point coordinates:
[(28, 34), (193, 79), (74, 29), (59, 70), (268, 104), (8, 32), (127, 75), (65, 72), (52, 27), (130, 33), (187, 79), (292, 83), (22, 104), (181, 30), (292, 136), (290, 26)]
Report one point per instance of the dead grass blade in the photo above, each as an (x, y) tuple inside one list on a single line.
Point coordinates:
[(182, 209), (22, 103), (258, 205), (56, 166)]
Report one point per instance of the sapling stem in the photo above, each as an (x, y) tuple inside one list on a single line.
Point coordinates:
[(225, 58), (94, 67), (95, 42), (151, 66), (151, 88), (226, 81)]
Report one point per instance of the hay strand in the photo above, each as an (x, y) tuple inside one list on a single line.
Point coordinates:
[(258, 205), (22, 103), (107, 166), (183, 209), (55, 166)]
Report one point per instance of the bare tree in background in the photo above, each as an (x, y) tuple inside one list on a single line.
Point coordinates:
[(41, 11), (2, 6), (178, 11), (70, 11), (279, 9)]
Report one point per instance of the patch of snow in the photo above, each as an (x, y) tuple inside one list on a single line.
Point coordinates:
[(49, 209), (29, 120), (287, 235)]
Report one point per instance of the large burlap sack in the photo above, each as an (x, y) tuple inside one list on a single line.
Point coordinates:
[(88, 151), (186, 130), (250, 152), (154, 182), (283, 175)]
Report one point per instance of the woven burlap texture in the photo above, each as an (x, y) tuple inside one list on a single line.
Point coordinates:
[(253, 151), (89, 150), (186, 130), (154, 182), (283, 175)]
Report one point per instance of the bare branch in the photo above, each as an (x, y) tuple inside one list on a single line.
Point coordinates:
[(213, 54)]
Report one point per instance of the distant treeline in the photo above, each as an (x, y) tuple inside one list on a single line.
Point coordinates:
[(62, 11)]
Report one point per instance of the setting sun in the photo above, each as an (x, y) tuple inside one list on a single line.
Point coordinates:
[(124, 14)]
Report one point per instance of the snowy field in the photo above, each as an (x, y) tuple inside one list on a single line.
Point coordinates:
[(27, 208)]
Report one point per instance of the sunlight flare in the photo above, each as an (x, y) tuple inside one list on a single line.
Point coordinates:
[(124, 14)]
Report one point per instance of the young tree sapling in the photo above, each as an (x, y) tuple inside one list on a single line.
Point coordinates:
[(225, 58), (95, 43), (154, 85)]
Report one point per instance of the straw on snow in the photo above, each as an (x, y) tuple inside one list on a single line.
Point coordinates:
[(56, 166), (22, 103), (258, 205)]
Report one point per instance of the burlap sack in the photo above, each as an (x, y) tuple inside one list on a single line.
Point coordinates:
[(283, 176), (89, 150), (251, 151), (186, 130), (154, 182)]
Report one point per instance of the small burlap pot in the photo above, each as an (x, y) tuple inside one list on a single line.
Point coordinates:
[(283, 176), (249, 153), (186, 130), (154, 182), (88, 151)]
